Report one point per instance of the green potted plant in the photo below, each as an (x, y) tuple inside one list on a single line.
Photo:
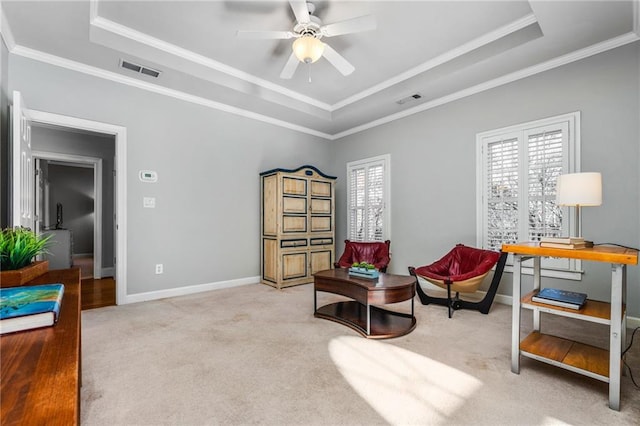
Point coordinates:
[(364, 269), (18, 248)]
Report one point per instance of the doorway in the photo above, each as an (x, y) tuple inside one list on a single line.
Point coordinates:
[(22, 190), (69, 200)]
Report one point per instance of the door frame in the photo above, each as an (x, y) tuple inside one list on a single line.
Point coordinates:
[(94, 163), (120, 166)]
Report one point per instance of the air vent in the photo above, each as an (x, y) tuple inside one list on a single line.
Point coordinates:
[(413, 97), (139, 68)]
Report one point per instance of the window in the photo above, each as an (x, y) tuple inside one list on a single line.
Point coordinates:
[(367, 199), (517, 169)]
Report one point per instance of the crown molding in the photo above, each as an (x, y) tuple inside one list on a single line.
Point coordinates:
[(5, 31), (108, 75), (500, 81), (142, 38), (439, 60)]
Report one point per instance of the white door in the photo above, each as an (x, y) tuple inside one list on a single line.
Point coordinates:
[(39, 196), (115, 216), (23, 187)]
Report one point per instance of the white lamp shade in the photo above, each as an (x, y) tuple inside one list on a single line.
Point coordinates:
[(579, 189), (308, 49)]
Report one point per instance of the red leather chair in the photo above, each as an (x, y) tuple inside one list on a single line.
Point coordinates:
[(375, 253), (462, 270)]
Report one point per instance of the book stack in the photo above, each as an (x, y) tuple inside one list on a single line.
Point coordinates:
[(565, 242), (562, 298)]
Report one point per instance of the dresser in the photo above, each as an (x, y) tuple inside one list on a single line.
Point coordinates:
[(60, 250), (297, 225)]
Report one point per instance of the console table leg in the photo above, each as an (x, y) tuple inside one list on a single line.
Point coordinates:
[(368, 320), (615, 336), (536, 286), (515, 322)]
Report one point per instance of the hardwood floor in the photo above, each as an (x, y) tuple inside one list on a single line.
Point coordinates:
[(98, 293)]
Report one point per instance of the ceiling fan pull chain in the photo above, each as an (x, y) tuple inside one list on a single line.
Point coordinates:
[(309, 70)]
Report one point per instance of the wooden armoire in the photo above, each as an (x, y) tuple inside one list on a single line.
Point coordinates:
[(297, 225)]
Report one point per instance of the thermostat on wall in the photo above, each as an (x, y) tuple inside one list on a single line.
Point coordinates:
[(148, 176)]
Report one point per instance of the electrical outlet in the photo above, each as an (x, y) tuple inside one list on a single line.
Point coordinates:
[(159, 268)]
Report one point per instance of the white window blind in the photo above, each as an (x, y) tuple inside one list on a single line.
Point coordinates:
[(518, 168), (367, 199), (503, 192)]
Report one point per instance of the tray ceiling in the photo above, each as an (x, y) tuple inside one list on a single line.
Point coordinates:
[(441, 50)]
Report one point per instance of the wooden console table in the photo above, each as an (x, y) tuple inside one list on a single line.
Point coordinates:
[(372, 322), (40, 373), (598, 363)]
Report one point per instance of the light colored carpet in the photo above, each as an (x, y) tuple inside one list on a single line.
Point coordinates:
[(256, 355)]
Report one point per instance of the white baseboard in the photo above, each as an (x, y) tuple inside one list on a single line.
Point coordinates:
[(108, 272), (183, 291), (81, 255), (632, 322)]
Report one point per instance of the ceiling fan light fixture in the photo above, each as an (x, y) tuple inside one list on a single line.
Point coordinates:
[(308, 49)]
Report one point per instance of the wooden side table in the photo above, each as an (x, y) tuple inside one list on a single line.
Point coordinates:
[(598, 363), (40, 373)]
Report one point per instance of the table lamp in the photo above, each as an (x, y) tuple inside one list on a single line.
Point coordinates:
[(577, 190)]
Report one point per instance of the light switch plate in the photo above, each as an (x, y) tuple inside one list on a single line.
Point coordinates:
[(149, 202)]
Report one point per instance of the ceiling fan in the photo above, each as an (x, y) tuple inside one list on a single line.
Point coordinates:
[(308, 32)]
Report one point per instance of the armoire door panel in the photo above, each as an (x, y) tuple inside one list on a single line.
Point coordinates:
[(320, 206), (294, 265), (294, 186), (321, 260), (321, 224), (294, 224), (294, 205), (320, 188)]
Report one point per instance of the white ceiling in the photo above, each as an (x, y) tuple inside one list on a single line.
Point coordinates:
[(443, 50)]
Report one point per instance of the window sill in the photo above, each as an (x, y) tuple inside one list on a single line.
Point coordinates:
[(551, 273)]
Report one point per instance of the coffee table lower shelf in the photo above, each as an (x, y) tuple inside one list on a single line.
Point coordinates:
[(384, 324)]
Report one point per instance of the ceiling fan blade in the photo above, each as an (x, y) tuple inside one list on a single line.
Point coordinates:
[(354, 25), (267, 35), (337, 60), (290, 67), (301, 11)]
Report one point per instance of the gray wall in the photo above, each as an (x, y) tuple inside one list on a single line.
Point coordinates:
[(61, 141), (205, 227), (206, 223), (73, 188), (433, 158), (4, 134)]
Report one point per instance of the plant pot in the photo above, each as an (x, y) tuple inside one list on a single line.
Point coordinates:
[(364, 272), (24, 275)]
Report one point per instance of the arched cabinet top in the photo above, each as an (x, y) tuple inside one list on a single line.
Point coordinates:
[(305, 170)]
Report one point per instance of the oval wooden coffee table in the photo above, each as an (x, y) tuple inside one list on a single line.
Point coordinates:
[(372, 322)]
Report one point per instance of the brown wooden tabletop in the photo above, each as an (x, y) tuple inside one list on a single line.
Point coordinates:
[(601, 253), (40, 371)]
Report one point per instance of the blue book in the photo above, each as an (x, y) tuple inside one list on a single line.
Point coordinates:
[(27, 307), (563, 298)]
